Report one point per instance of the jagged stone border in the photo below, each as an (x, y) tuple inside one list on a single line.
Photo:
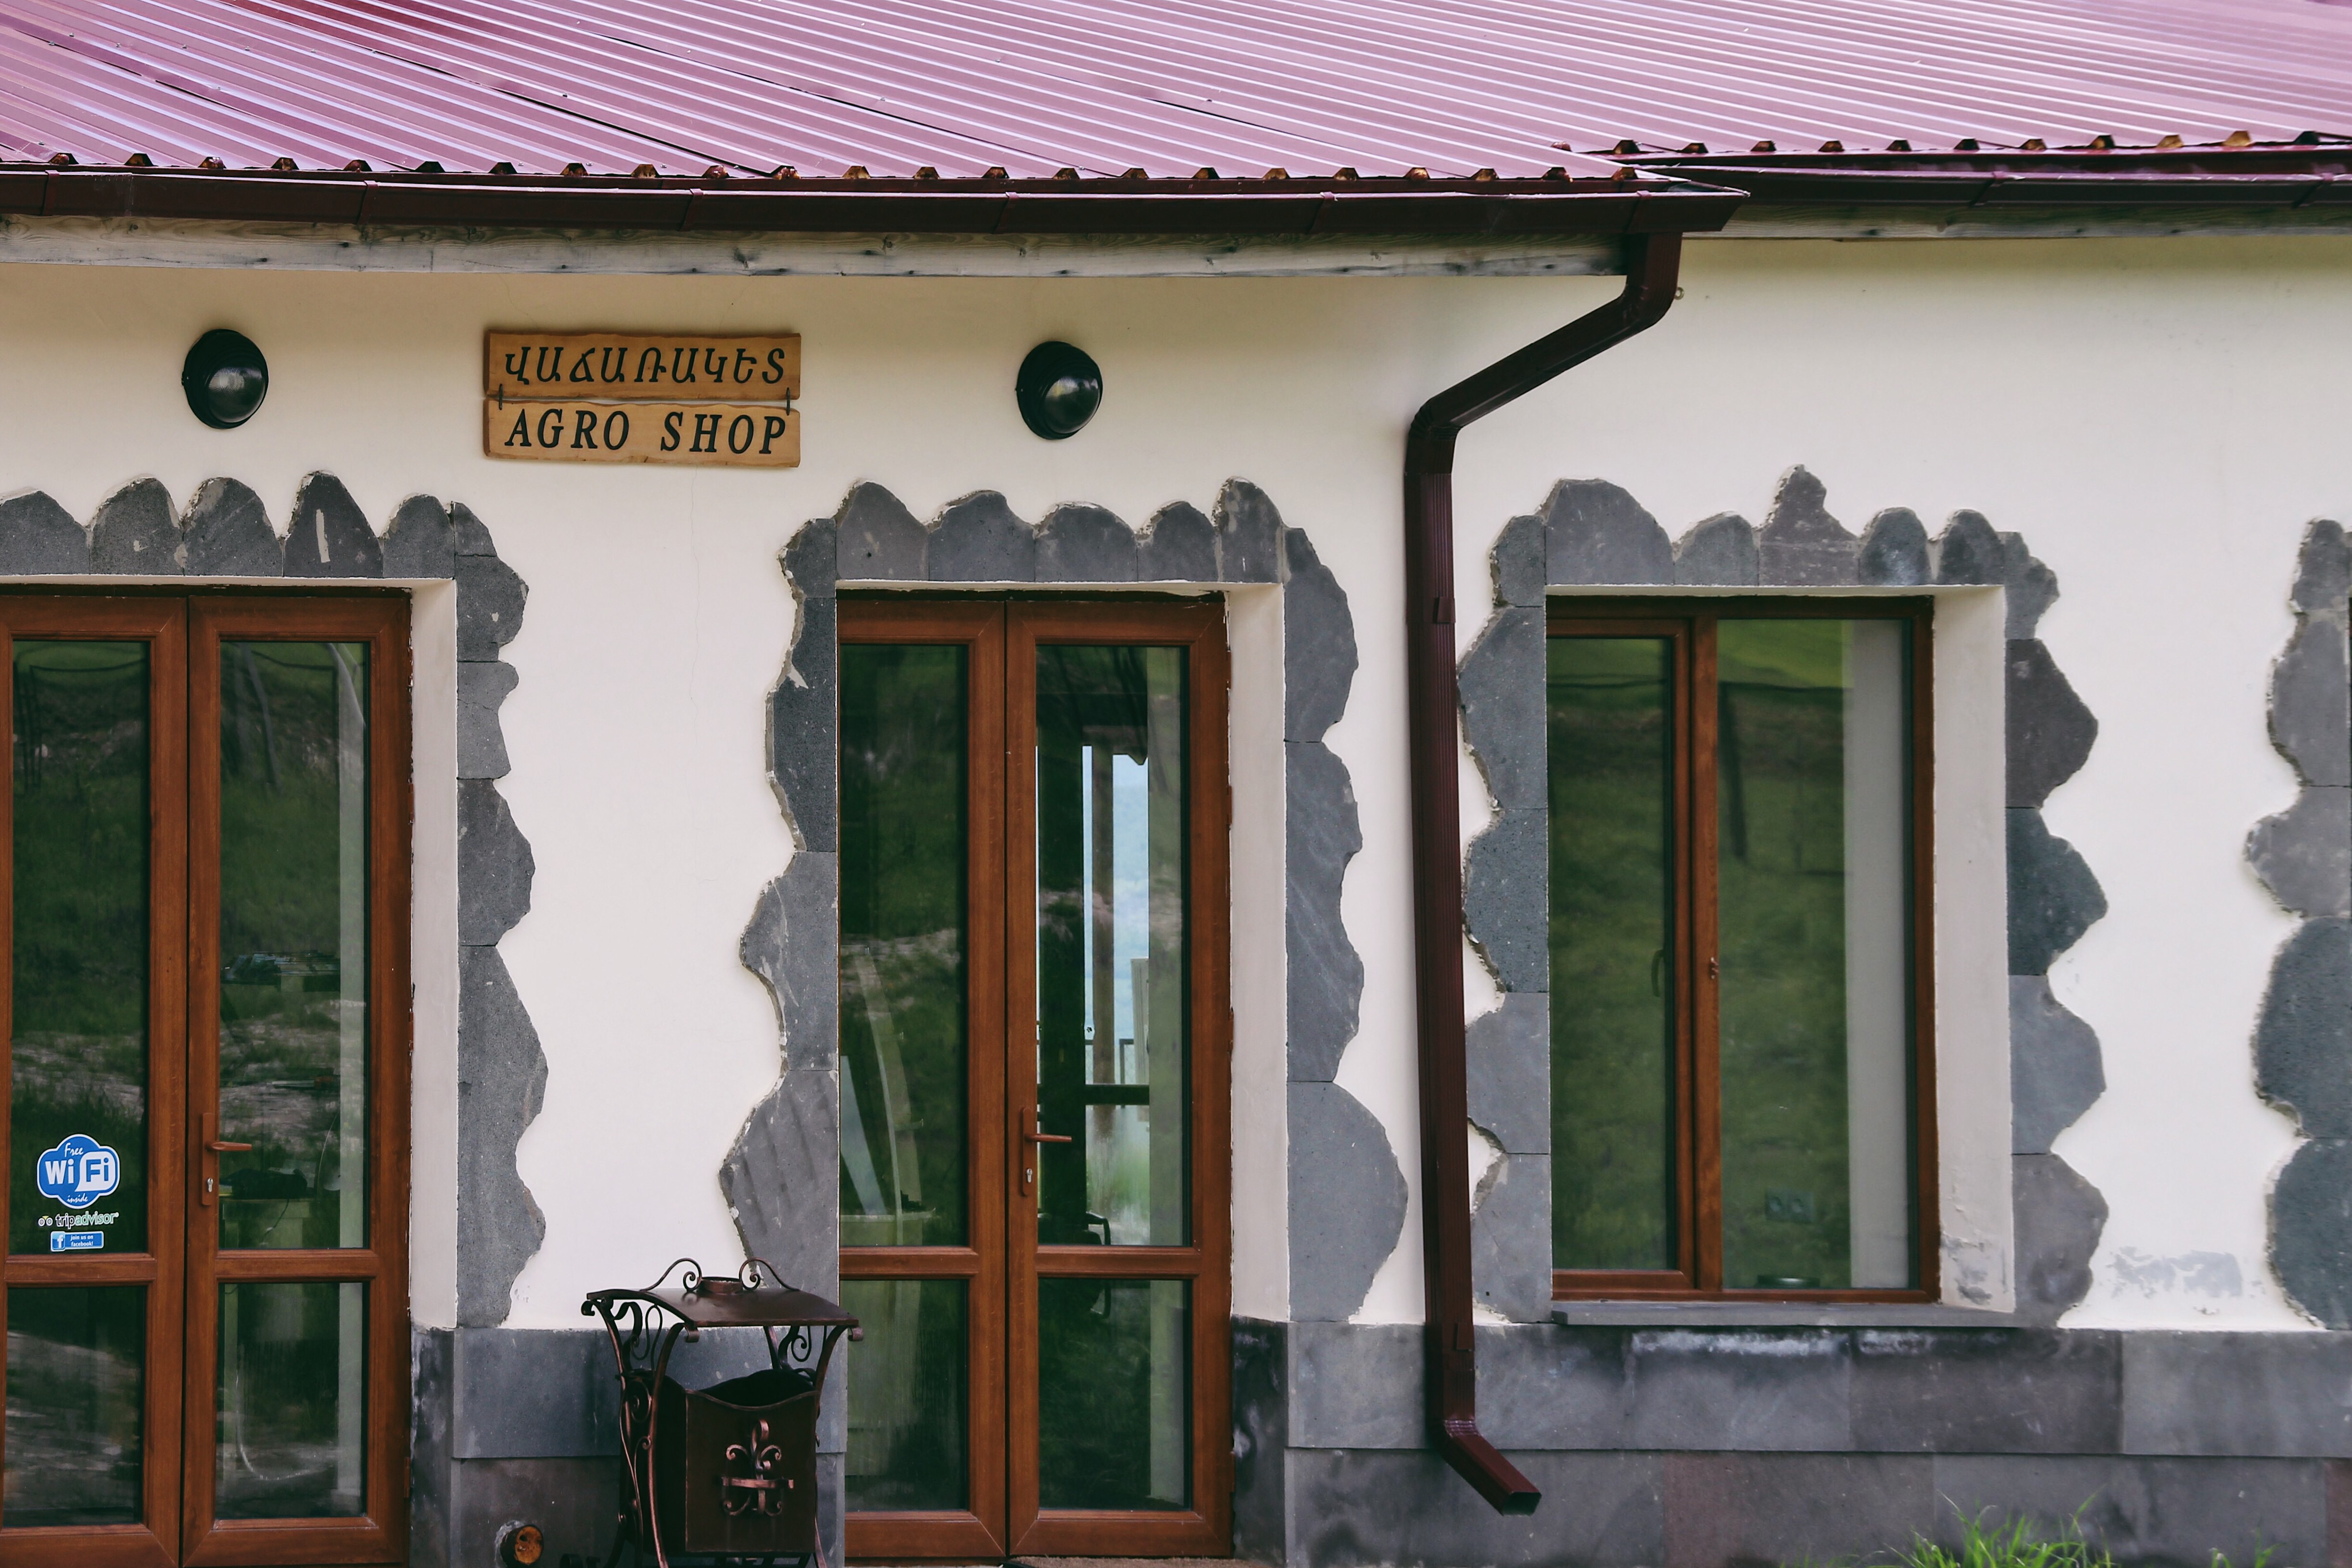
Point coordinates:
[(226, 532), (1590, 532), (2303, 1037), (782, 1176)]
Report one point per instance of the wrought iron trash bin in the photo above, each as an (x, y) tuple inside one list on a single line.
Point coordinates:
[(728, 1472)]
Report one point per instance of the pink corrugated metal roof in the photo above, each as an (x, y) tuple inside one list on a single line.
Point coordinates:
[(1166, 86)]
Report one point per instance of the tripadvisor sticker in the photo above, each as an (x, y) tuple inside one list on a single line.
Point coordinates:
[(78, 1172)]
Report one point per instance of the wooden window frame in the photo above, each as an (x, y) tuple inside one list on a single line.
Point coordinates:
[(978, 1532), (183, 629), (1689, 624), (1005, 1261)]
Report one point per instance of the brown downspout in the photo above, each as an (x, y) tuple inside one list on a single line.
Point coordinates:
[(1652, 262)]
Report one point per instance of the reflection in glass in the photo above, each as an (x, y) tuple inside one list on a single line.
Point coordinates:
[(1114, 1406), (79, 1034), (907, 1416), (1111, 945), (903, 859), (293, 944), (1613, 953), (292, 1402), (1812, 793), (74, 1405)]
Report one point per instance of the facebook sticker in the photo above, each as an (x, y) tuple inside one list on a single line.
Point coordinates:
[(77, 1241), (78, 1172)]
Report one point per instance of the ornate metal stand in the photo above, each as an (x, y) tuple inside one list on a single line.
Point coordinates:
[(725, 1474)]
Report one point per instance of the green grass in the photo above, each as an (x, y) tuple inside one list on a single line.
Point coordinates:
[(2017, 1540)]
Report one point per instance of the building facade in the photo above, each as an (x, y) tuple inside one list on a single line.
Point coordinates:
[(1898, 735)]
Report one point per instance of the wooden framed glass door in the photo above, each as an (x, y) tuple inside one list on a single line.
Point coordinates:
[(1033, 1025), (206, 902)]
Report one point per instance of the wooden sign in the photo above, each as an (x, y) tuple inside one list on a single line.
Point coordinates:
[(642, 397), (736, 435)]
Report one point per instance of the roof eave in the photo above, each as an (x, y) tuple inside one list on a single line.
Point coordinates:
[(1297, 208)]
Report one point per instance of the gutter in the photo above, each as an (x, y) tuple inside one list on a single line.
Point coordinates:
[(1626, 204), (1450, 1384)]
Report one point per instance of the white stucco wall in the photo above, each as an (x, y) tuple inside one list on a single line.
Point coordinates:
[(2155, 417)]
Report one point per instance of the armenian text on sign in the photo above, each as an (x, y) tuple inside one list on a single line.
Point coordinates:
[(642, 397)]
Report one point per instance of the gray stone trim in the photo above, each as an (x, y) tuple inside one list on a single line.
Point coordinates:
[(2303, 1037), (1589, 532), (780, 1178), (1833, 1390), (226, 532)]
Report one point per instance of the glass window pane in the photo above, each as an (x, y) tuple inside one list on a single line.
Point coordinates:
[(74, 1405), (1114, 1393), (1112, 951), (292, 1404), (1613, 953), (78, 1111), (1813, 824), (293, 944), (907, 1421), (903, 853)]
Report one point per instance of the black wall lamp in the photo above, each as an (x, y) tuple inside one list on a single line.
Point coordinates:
[(1059, 388), (225, 379)]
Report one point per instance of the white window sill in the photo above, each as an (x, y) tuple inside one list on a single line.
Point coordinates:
[(1778, 1314)]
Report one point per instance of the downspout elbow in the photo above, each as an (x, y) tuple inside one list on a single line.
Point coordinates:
[(1652, 265)]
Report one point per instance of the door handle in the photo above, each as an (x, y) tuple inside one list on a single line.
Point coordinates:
[(1025, 1127), (213, 1147)]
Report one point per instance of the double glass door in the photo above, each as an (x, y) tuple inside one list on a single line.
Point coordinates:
[(1033, 1036), (205, 1209)]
